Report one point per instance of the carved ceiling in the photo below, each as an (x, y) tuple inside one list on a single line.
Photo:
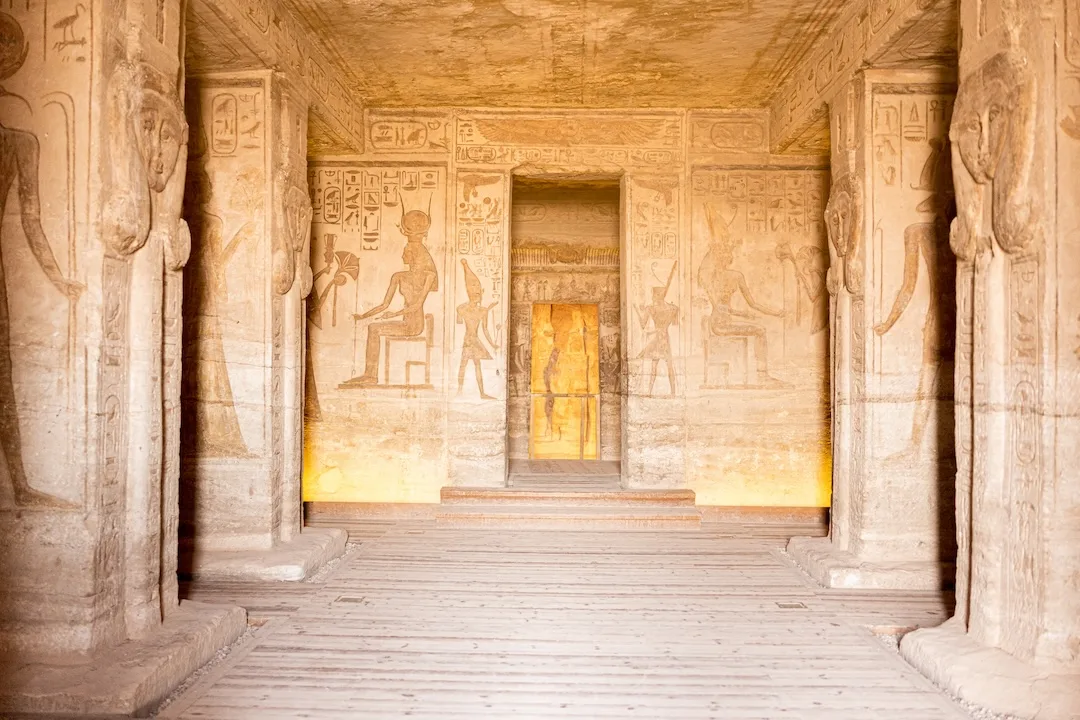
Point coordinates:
[(563, 53)]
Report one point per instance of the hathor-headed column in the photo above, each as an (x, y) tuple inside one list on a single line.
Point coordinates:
[(891, 281), (95, 142), (249, 210), (1013, 645)]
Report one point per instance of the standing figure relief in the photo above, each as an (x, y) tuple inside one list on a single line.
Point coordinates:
[(19, 161), (656, 320), (474, 315), (993, 149), (721, 284)]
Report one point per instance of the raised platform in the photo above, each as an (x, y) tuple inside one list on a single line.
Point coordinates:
[(567, 507), (292, 561)]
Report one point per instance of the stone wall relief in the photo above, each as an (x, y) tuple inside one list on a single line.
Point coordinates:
[(911, 177), (759, 278), (653, 205), (412, 132), (38, 137), (480, 248), (367, 221)]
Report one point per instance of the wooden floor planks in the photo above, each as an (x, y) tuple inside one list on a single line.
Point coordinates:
[(427, 621)]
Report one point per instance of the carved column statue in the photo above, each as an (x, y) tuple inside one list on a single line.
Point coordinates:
[(1013, 645), (94, 138), (891, 283), (250, 213)]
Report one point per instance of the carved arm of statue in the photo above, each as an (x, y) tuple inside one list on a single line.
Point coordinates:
[(912, 244)]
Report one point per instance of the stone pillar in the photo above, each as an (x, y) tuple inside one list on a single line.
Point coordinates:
[(654, 261), (892, 284), (93, 129), (250, 214), (477, 421), (1013, 645)]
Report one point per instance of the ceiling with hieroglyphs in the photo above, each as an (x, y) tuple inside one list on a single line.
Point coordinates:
[(568, 53)]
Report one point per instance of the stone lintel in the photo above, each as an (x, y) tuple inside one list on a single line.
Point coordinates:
[(291, 561), (835, 568), (989, 677), (127, 679)]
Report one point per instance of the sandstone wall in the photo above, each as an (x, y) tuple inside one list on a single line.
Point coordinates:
[(749, 287)]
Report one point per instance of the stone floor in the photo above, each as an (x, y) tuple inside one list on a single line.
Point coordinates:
[(432, 622)]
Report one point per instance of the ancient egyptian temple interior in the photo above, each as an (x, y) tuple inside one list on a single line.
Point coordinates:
[(540, 358)]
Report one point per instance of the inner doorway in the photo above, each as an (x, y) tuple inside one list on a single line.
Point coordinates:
[(565, 382), (565, 408)]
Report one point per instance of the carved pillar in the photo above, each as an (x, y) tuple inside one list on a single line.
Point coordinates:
[(892, 284), (654, 262), (95, 142), (1014, 643), (249, 209), (479, 277)]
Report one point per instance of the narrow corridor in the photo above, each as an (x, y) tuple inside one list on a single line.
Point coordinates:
[(432, 622)]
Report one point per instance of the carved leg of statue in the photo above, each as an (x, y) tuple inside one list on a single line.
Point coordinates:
[(670, 372), (461, 372), (376, 332), (652, 375), (480, 380), (10, 435)]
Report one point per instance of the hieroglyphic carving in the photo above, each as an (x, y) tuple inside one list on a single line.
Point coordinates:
[(656, 320), (655, 212), (728, 132), (391, 132), (993, 146), (597, 140)]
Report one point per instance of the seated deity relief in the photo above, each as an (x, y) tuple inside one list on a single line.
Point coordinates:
[(993, 146)]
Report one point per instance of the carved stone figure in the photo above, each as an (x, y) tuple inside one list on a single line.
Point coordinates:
[(297, 224), (474, 314), (843, 218), (993, 147), (147, 192), (209, 411), (661, 315), (415, 284), (721, 283), (19, 157), (925, 242)]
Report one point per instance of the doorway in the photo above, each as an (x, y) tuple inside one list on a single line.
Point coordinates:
[(565, 382), (565, 293)]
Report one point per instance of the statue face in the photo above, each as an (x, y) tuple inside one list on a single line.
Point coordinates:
[(837, 214), (981, 127), (160, 135)]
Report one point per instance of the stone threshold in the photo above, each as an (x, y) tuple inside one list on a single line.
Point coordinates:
[(129, 679)]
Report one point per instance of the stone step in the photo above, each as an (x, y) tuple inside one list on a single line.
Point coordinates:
[(531, 496), (557, 517)]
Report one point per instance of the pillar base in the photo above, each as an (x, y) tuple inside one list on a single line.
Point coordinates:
[(834, 568), (129, 679), (991, 678), (292, 561)]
